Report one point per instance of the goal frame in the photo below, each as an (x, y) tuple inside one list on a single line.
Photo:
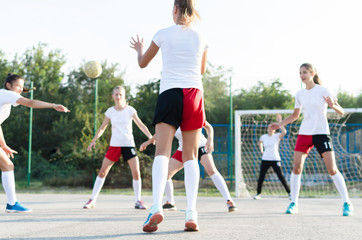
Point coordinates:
[(240, 186)]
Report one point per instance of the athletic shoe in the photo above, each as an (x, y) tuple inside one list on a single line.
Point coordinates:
[(169, 206), (231, 206), (289, 196), (292, 209), (257, 196), (154, 218), (140, 205), (347, 209), (90, 204), (17, 208), (191, 221)]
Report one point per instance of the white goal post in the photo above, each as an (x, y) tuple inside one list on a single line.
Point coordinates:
[(261, 119)]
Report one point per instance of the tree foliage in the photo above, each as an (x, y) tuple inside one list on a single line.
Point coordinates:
[(59, 140)]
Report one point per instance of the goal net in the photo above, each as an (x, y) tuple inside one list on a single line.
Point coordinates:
[(251, 124)]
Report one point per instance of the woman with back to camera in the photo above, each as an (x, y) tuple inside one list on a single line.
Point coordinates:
[(179, 104), (314, 131), (206, 147), (10, 95)]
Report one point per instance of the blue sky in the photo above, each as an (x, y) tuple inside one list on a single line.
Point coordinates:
[(259, 39)]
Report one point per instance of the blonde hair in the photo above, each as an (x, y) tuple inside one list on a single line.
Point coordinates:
[(187, 10), (118, 87), (311, 68)]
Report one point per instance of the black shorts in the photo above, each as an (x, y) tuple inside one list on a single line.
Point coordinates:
[(202, 151), (169, 107)]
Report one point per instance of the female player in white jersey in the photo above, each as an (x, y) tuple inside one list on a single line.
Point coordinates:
[(122, 143), (10, 95), (180, 104), (314, 131), (271, 157), (206, 147)]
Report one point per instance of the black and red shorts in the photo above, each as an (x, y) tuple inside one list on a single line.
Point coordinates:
[(114, 153), (305, 143), (181, 107), (178, 154)]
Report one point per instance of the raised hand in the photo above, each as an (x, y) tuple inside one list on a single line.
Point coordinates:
[(274, 126), (137, 44)]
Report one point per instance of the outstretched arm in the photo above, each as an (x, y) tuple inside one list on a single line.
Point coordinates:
[(144, 145), (40, 104), (9, 152), (209, 147), (141, 125), (294, 116), (144, 59), (99, 133), (334, 105)]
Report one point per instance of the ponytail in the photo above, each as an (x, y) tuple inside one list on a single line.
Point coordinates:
[(187, 10), (311, 68), (316, 79), (12, 78)]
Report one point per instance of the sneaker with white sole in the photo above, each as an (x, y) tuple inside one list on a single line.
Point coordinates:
[(169, 207), (154, 218), (90, 204), (140, 205), (231, 206), (17, 208), (347, 209), (191, 221), (292, 209), (257, 196)]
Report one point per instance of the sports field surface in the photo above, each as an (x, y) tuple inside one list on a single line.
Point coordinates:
[(60, 216)]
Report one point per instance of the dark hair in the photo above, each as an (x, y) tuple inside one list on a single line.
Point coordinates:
[(311, 68), (12, 78), (188, 11)]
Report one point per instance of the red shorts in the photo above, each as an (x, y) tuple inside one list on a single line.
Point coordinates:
[(193, 115), (114, 153)]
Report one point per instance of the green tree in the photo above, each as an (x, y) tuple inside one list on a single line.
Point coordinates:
[(264, 96)]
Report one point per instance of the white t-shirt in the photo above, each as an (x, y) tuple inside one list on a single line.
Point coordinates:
[(314, 108), (121, 121), (182, 50), (271, 147), (178, 135), (7, 98)]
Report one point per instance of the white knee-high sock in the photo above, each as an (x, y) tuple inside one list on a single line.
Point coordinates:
[(338, 180), (159, 178), (192, 178), (221, 185), (98, 184), (137, 186), (169, 192), (8, 181), (295, 181)]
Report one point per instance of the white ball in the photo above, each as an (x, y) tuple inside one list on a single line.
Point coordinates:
[(93, 69)]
